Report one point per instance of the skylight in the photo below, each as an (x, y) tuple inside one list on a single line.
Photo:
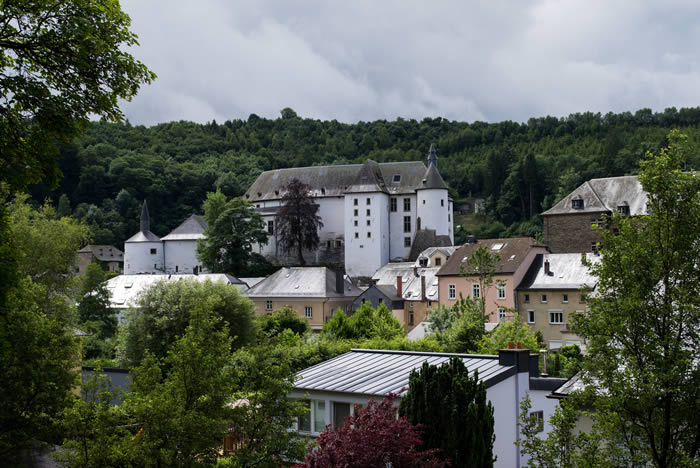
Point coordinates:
[(397, 178), (497, 246)]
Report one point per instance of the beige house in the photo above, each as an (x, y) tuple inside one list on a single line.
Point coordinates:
[(110, 256), (550, 293), (516, 256), (313, 292)]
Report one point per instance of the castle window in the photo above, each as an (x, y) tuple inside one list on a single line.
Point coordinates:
[(368, 212), (407, 204), (369, 223), (176, 268), (357, 235), (369, 201), (154, 251), (270, 227), (355, 212), (406, 224), (369, 234), (393, 205), (424, 202), (355, 223), (354, 201), (442, 202), (577, 204), (406, 241)]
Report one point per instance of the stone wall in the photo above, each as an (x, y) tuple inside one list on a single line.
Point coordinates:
[(571, 233)]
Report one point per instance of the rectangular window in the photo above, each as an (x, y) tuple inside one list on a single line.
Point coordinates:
[(565, 298), (314, 419), (270, 227), (406, 224), (406, 241), (530, 316), (308, 312), (355, 223), (340, 412), (501, 314), (452, 291), (177, 267), (501, 289), (538, 417), (338, 244), (319, 415), (527, 299), (554, 344), (556, 316), (438, 261), (410, 317), (407, 204), (357, 235), (268, 305), (369, 223), (476, 291), (368, 212), (355, 212), (543, 298), (354, 201), (304, 421), (393, 204), (369, 201), (442, 202), (369, 235), (153, 251), (397, 178)]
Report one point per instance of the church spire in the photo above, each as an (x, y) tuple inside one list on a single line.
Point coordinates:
[(145, 219), (432, 156)]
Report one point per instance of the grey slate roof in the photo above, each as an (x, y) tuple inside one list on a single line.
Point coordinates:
[(379, 372), (567, 272), (104, 253), (301, 282), (425, 238), (604, 195), (191, 229), (335, 181), (411, 285), (432, 179), (574, 384)]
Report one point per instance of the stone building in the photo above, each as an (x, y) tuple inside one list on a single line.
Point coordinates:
[(111, 257)]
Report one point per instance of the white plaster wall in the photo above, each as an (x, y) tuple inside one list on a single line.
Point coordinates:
[(397, 249), (503, 397), (139, 259), (451, 222), (365, 255), (181, 253), (433, 207)]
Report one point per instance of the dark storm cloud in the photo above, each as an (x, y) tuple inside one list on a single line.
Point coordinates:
[(367, 60)]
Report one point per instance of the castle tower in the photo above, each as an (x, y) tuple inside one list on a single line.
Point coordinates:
[(143, 252), (434, 208)]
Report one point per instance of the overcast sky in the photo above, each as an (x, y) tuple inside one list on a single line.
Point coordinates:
[(365, 60)]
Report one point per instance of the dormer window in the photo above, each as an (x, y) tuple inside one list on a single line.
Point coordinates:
[(624, 210), (397, 178), (577, 204)]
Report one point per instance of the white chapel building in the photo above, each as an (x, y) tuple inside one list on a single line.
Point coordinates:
[(372, 213), (176, 253)]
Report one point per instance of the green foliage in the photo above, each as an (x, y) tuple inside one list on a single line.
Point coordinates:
[(460, 422), (95, 316), (284, 319), (298, 221), (483, 264), (167, 308), (508, 331), (364, 323), (233, 227), (460, 328), (642, 327), (565, 362), (62, 61)]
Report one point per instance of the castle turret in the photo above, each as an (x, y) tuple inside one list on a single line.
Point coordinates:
[(143, 252), (434, 209)]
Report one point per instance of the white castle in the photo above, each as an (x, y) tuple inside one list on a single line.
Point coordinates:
[(146, 253), (372, 213)]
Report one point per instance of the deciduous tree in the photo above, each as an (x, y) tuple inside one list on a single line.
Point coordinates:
[(298, 220)]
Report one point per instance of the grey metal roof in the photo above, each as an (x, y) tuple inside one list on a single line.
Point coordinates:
[(191, 229), (411, 282), (335, 181), (574, 384), (567, 271), (125, 289), (604, 195), (141, 236), (302, 282), (379, 372)]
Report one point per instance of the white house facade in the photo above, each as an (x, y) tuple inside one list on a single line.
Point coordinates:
[(371, 212)]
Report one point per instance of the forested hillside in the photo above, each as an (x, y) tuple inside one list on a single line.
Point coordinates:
[(520, 169)]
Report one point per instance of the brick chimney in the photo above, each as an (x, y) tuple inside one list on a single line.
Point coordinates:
[(422, 288), (399, 286), (547, 270), (340, 281)]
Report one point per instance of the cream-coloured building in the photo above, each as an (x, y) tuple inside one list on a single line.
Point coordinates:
[(550, 293), (313, 292)]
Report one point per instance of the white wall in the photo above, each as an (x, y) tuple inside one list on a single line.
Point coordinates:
[(181, 254), (365, 255), (433, 207), (503, 398), (139, 259), (396, 239)]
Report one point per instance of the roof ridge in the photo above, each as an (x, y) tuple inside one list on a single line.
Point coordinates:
[(422, 353), (588, 182)]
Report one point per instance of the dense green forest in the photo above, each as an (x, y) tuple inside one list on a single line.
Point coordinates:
[(520, 169)]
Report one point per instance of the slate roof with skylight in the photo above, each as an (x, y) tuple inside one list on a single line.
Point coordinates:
[(379, 372), (512, 253), (604, 195)]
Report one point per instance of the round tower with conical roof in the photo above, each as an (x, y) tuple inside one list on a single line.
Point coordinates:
[(143, 252), (434, 210)]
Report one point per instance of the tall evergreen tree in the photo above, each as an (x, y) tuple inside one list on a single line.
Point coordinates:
[(298, 220), (460, 421)]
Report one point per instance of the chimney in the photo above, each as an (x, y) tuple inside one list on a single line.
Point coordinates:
[(415, 271), (340, 281), (547, 271), (195, 270), (422, 288), (399, 286)]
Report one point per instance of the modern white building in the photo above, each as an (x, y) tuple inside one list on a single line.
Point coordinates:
[(372, 212), (176, 253)]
